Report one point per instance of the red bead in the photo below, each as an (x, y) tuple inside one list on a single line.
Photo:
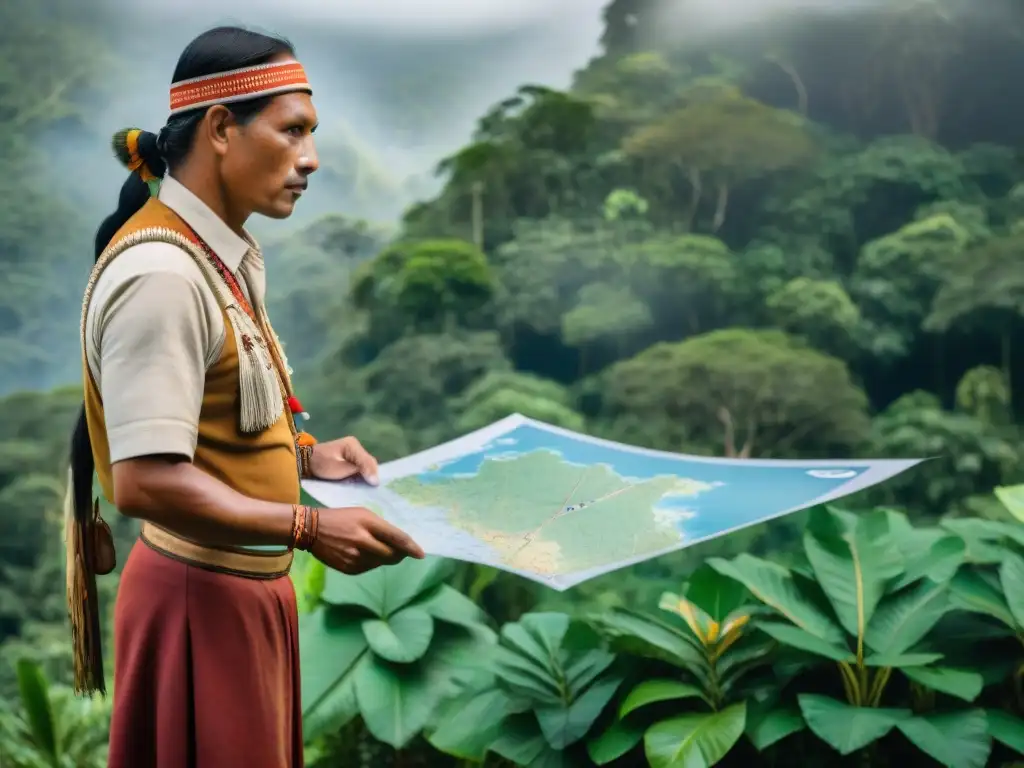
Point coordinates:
[(294, 405)]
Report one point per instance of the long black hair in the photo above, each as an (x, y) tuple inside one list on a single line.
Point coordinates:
[(218, 50)]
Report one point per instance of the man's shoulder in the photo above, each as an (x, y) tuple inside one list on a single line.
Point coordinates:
[(149, 257)]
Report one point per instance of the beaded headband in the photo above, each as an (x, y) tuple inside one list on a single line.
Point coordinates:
[(238, 85)]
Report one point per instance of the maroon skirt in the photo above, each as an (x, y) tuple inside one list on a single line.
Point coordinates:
[(206, 668)]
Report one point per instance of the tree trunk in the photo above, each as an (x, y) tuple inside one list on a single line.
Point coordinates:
[(721, 207), (478, 214), (696, 193)]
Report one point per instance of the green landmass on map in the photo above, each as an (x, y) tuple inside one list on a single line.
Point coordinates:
[(543, 514)]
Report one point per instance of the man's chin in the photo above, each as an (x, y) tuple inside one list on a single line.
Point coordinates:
[(279, 210)]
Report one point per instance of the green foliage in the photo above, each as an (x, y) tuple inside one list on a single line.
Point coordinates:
[(51, 728), (537, 699), (387, 646), (738, 392), (736, 245)]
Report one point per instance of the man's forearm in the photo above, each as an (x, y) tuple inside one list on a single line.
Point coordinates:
[(181, 498)]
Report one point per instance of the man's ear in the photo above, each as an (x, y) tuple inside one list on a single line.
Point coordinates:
[(217, 125)]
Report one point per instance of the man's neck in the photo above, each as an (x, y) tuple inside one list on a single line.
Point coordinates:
[(206, 188)]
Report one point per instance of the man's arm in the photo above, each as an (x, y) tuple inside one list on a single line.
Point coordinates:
[(170, 492), (153, 333)]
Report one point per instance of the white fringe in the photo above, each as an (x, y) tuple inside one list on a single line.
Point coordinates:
[(261, 396)]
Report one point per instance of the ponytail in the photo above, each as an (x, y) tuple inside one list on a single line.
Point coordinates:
[(90, 550)]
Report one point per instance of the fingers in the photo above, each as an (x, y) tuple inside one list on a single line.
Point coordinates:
[(353, 452), (395, 537)]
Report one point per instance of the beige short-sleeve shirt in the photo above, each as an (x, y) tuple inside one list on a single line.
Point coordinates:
[(154, 327)]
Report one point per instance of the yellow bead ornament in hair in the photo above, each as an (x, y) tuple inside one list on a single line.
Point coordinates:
[(126, 147)]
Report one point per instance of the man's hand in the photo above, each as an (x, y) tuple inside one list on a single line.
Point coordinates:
[(353, 540), (341, 459)]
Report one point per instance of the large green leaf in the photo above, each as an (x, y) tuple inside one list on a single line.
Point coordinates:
[(522, 743), (642, 635), (776, 587), (797, 638), (1012, 497), (403, 637), (385, 590), (583, 668), (970, 591), (1011, 576), (449, 605), (538, 637), (651, 691), (939, 562), (697, 740), (395, 703), (715, 594), (565, 725), (525, 675), (852, 563), (35, 702), (901, 659), (770, 724), (1006, 729), (844, 727), (330, 644), (903, 619), (469, 724), (955, 739), (618, 739), (961, 683)]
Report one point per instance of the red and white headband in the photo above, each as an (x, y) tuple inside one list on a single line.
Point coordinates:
[(238, 85)]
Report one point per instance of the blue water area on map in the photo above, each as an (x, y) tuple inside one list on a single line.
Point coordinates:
[(748, 493)]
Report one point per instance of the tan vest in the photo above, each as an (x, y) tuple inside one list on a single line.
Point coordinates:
[(260, 466)]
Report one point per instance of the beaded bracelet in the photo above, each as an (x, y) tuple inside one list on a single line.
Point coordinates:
[(305, 526)]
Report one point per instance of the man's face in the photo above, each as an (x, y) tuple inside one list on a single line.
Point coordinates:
[(268, 161)]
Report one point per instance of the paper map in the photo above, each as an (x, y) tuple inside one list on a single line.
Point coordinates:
[(560, 508)]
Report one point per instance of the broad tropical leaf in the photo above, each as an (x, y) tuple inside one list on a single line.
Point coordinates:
[(970, 591), (956, 739), (960, 683), (330, 646), (844, 727), (715, 594), (1013, 499), (776, 587), (697, 740), (1011, 576), (618, 739), (770, 724), (644, 635), (852, 563), (449, 605), (903, 619), (469, 724), (1006, 729), (651, 691), (939, 562), (402, 637), (567, 724), (395, 703), (797, 638)]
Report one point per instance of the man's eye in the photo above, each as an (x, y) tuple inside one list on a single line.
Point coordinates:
[(297, 130)]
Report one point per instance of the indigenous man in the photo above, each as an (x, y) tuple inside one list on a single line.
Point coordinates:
[(189, 421)]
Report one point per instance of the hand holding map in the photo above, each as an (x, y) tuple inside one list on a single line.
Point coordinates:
[(560, 508)]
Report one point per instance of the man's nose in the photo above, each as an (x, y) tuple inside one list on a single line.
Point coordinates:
[(309, 161)]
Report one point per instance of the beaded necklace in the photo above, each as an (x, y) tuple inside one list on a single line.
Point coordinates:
[(291, 401)]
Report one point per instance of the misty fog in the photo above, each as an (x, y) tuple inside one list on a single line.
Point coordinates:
[(395, 88)]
